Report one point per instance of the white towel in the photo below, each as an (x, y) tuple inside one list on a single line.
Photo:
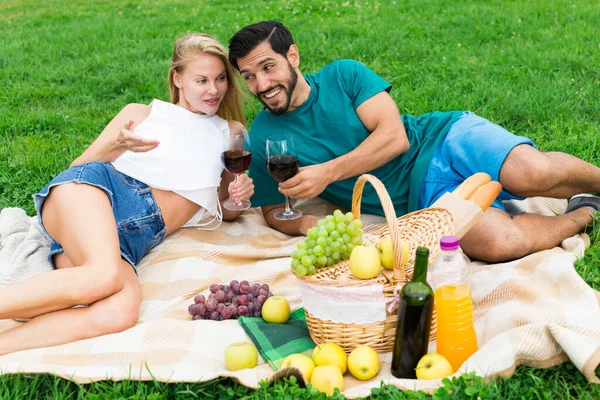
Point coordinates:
[(23, 247)]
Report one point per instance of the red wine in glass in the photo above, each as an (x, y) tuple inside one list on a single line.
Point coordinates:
[(282, 164), (282, 168), (236, 161)]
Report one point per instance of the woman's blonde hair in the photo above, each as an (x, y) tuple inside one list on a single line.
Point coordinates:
[(189, 46)]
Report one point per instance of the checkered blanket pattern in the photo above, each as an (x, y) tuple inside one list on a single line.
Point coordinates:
[(535, 311)]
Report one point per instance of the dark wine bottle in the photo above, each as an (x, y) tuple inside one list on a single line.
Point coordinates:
[(415, 308)]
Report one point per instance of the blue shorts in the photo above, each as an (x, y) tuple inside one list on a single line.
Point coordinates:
[(473, 144), (139, 220)]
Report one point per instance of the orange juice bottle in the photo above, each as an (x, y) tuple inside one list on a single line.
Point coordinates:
[(456, 339)]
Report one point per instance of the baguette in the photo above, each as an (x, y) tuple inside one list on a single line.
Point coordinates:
[(486, 194), (469, 185)]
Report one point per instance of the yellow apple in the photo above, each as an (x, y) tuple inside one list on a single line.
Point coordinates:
[(241, 355), (433, 366), (365, 262), (363, 363), (386, 252), (276, 310), (330, 353), (302, 362), (326, 378)]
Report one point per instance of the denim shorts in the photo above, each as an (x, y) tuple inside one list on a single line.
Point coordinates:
[(139, 219), (473, 144)]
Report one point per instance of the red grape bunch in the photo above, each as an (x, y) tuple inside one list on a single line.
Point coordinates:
[(230, 301)]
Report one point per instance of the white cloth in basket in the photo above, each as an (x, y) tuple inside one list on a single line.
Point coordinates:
[(347, 305)]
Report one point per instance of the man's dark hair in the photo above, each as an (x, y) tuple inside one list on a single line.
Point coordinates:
[(248, 38)]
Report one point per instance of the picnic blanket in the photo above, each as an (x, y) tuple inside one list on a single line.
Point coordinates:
[(535, 311)]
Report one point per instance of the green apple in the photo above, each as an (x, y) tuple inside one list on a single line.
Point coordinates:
[(386, 252), (330, 353), (241, 355), (365, 262), (276, 310), (433, 366), (363, 363)]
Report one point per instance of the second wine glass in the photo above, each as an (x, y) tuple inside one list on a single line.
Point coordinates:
[(236, 160), (282, 163)]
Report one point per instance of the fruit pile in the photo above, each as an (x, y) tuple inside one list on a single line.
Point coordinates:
[(326, 368), (329, 363), (331, 240), (230, 301)]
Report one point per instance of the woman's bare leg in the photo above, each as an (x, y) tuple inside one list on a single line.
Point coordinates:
[(110, 315), (62, 260), (79, 217)]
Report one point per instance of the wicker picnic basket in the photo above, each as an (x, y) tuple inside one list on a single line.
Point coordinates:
[(420, 228)]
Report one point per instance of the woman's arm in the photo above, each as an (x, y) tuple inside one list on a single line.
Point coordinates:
[(117, 137), (236, 127)]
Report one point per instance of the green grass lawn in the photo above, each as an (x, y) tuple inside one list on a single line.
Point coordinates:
[(66, 68)]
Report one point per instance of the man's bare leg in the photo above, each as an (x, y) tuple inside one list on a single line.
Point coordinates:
[(528, 172), (498, 237)]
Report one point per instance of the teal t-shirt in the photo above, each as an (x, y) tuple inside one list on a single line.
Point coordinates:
[(326, 126)]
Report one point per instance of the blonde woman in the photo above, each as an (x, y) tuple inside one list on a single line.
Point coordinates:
[(152, 170)]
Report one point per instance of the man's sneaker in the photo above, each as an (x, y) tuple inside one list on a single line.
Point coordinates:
[(583, 200)]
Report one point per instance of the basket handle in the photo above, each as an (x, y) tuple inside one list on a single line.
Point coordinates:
[(399, 273)]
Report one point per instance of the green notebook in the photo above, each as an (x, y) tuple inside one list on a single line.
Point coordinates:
[(277, 341)]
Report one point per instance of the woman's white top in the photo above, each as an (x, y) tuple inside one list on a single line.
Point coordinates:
[(188, 159)]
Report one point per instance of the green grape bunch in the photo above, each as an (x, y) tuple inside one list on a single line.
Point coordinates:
[(330, 241)]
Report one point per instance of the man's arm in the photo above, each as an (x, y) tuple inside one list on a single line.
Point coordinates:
[(292, 227), (387, 140)]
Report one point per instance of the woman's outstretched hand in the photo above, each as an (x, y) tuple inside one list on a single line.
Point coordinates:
[(243, 189), (127, 140)]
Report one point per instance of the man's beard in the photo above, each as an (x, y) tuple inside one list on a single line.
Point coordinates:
[(291, 86)]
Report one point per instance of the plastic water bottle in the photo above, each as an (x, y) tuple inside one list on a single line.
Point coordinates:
[(456, 339)]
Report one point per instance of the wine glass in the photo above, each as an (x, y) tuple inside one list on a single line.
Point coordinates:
[(282, 163), (236, 160)]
